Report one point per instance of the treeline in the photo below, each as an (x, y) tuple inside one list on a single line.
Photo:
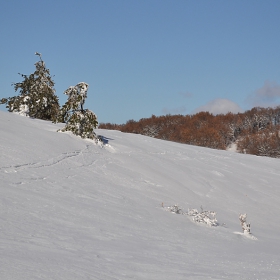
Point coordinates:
[(256, 131)]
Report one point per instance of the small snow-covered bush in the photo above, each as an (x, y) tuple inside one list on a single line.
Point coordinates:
[(204, 217), (79, 121), (175, 209), (245, 227)]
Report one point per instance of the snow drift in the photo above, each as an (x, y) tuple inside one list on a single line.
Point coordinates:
[(72, 209)]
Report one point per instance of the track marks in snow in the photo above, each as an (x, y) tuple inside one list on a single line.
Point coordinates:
[(49, 162), (38, 179)]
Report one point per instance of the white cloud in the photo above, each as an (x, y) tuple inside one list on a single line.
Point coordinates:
[(220, 106), (266, 96)]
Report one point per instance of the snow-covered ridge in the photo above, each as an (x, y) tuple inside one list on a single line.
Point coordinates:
[(72, 209)]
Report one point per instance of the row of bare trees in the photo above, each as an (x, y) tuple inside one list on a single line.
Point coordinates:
[(256, 131)]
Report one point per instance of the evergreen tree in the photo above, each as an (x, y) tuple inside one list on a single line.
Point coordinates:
[(78, 120), (37, 97)]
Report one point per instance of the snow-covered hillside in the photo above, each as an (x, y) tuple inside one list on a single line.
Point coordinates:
[(71, 209)]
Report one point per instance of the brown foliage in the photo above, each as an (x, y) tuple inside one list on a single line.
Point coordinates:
[(255, 131)]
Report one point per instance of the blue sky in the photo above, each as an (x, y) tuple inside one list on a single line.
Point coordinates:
[(144, 57)]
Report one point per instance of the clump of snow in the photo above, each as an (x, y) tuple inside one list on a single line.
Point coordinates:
[(232, 147), (23, 108)]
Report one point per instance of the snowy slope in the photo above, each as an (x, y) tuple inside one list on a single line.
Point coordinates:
[(71, 209)]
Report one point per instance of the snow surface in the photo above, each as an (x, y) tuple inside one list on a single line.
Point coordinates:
[(72, 209)]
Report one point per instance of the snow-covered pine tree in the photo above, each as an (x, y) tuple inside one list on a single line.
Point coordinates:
[(37, 97), (78, 120)]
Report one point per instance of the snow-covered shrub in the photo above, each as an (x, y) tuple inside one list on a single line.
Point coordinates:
[(78, 120), (245, 227), (204, 217), (175, 209), (37, 97)]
